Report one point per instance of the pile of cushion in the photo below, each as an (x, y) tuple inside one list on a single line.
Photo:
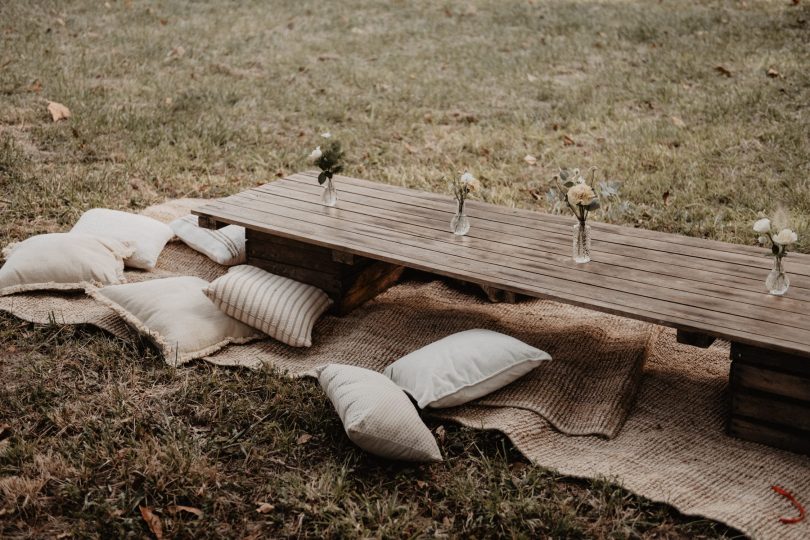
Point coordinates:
[(188, 318)]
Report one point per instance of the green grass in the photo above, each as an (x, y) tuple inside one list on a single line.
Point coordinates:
[(174, 99)]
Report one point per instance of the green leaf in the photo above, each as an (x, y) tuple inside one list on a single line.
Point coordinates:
[(569, 183), (564, 175), (594, 205), (322, 177)]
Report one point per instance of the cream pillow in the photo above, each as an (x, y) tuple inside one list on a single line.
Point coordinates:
[(62, 261), (463, 367), (377, 415), (148, 235), (225, 246), (176, 315), (280, 307)]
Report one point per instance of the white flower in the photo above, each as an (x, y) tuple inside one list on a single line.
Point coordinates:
[(581, 194), (316, 154), (785, 237), (326, 134), (470, 182), (762, 225), (762, 240)]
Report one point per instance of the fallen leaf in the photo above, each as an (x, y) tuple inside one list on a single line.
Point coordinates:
[(304, 439), (411, 149), (152, 521), (60, 21), (441, 433), (421, 484), (568, 141), (328, 56), (677, 121), (35, 87), (530, 159), (58, 111), (723, 70), (265, 508), (177, 508), (531, 77), (773, 74), (177, 52), (666, 198)]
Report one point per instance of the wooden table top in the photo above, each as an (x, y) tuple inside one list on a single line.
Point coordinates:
[(696, 285)]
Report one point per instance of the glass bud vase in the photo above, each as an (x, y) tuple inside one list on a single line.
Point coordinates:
[(329, 197), (777, 281), (460, 224), (582, 242)]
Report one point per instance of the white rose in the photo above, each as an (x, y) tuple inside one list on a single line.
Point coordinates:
[(316, 154), (762, 226), (466, 178), (785, 237), (581, 194)]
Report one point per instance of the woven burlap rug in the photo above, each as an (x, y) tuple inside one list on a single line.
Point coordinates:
[(648, 413)]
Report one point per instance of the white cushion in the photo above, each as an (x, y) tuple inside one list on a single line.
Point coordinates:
[(148, 235), (280, 307), (463, 367), (377, 415), (176, 315), (225, 246), (62, 261)]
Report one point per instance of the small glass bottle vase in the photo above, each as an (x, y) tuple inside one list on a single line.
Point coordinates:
[(777, 281), (460, 224), (329, 197), (582, 242)]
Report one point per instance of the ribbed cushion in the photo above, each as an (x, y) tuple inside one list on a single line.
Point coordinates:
[(377, 415), (225, 246), (280, 307), (147, 235)]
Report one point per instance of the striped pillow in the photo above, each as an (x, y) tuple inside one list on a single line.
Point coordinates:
[(225, 246), (280, 307)]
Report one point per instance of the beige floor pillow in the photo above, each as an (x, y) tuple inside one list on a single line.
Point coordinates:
[(176, 315), (225, 246), (148, 235), (62, 261), (282, 308), (377, 415)]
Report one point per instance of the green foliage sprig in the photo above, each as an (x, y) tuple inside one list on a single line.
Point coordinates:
[(329, 160)]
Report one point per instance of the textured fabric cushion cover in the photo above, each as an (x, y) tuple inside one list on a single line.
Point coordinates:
[(225, 246), (377, 415), (281, 308), (62, 261), (463, 367), (148, 235), (176, 315)]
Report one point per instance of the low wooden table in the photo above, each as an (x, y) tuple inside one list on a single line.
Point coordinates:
[(703, 288)]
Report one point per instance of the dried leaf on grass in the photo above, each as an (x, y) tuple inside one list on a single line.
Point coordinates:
[(530, 159), (678, 121), (58, 111), (723, 70), (265, 508), (177, 508), (152, 521), (568, 141), (773, 74), (304, 439)]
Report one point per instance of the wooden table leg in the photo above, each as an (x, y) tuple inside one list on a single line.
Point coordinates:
[(770, 398)]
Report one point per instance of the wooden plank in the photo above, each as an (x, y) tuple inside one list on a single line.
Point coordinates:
[(207, 222), (699, 248), (749, 377), (715, 273), (772, 435), (770, 360), (366, 245), (770, 409), (444, 244), (329, 283), (696, 339), (366, 288)]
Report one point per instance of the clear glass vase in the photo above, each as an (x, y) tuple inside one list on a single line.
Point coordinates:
[(777, 280), (460, 224), (582, 242), (329, 197)]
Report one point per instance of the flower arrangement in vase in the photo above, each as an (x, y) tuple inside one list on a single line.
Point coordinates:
[(581, 198), (330, 161), (462, 188), (777, 281)]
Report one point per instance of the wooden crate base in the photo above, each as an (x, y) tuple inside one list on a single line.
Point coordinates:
[(770, 398), (348, 279)]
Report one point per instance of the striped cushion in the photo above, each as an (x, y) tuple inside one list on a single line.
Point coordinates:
[(225, 246), (280, 307)]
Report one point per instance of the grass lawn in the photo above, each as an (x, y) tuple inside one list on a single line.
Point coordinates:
[(700, 111)]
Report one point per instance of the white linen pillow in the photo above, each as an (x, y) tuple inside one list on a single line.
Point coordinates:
[(148, 235), (463, 367), (176, 315), (225, 246), (377, 415), (282, 308), (62, 261)]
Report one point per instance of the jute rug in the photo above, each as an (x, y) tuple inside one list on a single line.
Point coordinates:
[(648, 413)]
